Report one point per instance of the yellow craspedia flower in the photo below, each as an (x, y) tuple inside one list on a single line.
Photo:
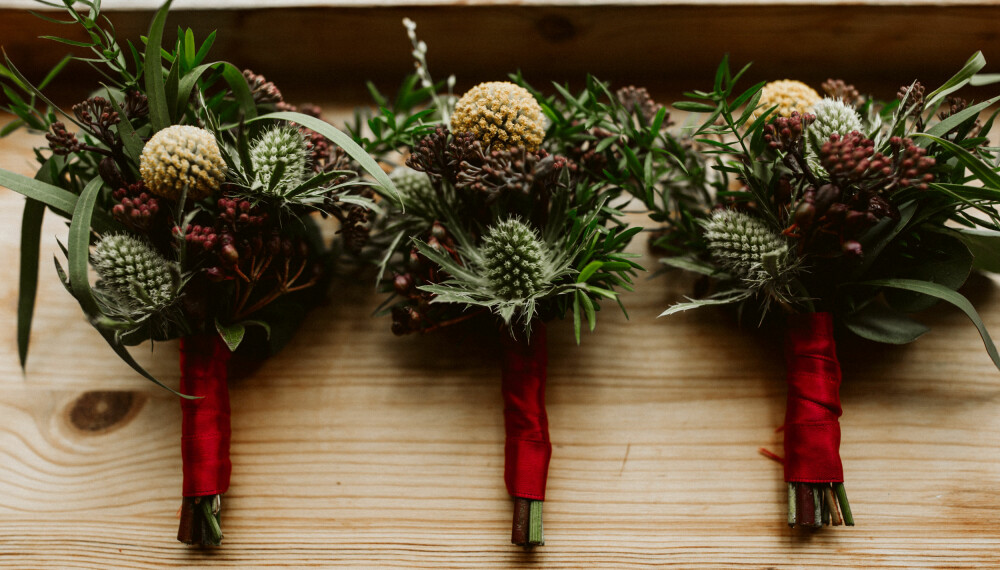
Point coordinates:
[(789, 95), (180, 156), (501, 115)]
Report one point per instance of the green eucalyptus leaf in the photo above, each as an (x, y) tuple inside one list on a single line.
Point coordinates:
[(880, 323), (937, 258), (232, 334), (985, 247)]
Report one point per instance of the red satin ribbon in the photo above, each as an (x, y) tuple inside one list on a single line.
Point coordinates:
[(205, 429), (528, 450), (812, 432)]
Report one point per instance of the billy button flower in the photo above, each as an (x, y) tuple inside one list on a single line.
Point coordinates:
[(501, 115), (789, 95), (179, 157)]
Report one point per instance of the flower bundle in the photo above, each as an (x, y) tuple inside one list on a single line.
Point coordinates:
[(838, 210), (190, 187), (509, 211)]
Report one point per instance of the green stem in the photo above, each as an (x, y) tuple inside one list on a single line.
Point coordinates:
[(845, 506), (212, 518), (535, 535), (791, 505)]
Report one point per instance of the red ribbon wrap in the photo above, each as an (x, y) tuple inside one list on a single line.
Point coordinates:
[(528, 450), (812, 431), (205, 429)]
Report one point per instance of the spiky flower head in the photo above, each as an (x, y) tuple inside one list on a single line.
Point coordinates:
[(280, 145), (411, 184), (182, 156), (133, 273), (514, 260), (789, 95), (501, 115), (833, 116), (745, 246)]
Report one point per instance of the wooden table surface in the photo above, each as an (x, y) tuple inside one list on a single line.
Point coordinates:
[(353, 447)]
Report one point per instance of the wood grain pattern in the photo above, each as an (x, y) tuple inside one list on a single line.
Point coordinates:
[(668, 47), (355, 448)]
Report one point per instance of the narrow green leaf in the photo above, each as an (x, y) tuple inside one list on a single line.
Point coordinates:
[(68, 42), (945, 294), (124, 354), (694, 107), (971, 67), (55, 71), (939, 129), (205, 47), (170, 89), (186, 86), (980, 169), (189, 49), (78, 248), (132, 142), (588, 271), (60, 201), (588, 308), (241, 90), (159, 110), (576, 315), (343, 141), (31, 233)]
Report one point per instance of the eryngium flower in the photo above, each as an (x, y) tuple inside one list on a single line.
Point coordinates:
[(133, 273), (746, 247), (182, 156), (280, 145), (514, 259), (833, 116), (414, 187), (789, 95), (501, 115)]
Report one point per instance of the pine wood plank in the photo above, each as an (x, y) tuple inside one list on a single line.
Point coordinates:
[(669, 46), (355, 448)]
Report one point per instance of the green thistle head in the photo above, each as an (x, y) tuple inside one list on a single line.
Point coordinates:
[(747, 247), (280, 145), (514, 259), (414, 187), (133, 273), (833, 116)]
